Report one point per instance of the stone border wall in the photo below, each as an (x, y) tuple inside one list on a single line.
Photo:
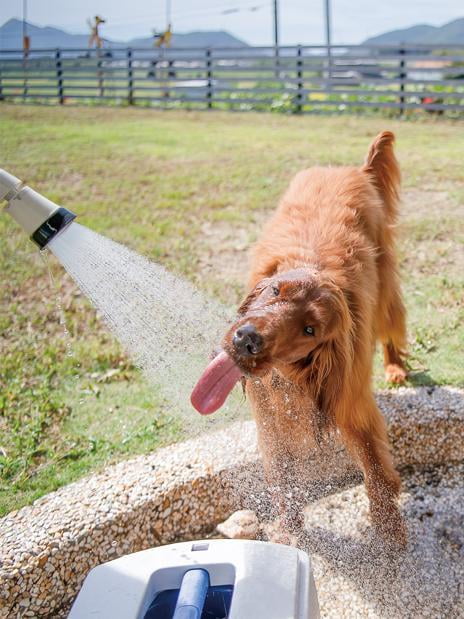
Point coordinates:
[(181, 491)]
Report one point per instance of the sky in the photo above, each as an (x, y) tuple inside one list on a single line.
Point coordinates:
[(300, 21)]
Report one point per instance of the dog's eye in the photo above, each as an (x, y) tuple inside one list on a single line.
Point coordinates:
[(309, 331), (275, 291)]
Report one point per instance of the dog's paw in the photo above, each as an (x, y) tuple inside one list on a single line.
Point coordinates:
[(393, 531), (395, 374)]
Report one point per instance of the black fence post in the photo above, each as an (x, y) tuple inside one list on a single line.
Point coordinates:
[(59, 76), (209, 77), (329, 66), (101, 84), (130, 78), (403, 75), (1, 87), (299, 75), (25, 73)]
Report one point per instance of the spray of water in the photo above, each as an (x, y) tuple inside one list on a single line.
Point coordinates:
[(164, 323)]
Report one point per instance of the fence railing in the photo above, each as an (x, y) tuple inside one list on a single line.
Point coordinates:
[(296, 79)]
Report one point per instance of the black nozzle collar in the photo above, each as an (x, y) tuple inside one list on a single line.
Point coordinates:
[(55, 224)]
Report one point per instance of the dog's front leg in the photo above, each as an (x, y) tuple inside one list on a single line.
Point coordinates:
[(370, 445)]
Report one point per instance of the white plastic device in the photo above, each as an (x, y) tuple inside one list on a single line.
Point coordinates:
[(270, 581)]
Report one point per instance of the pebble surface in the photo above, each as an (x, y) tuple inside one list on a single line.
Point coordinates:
[(357, 576), (184, 490)]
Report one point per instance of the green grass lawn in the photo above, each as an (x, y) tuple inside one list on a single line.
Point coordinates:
[(190, 190)]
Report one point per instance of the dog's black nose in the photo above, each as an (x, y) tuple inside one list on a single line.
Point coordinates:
[(247, 341)]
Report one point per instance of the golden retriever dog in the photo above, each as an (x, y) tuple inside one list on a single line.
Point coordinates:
[(323, 288)]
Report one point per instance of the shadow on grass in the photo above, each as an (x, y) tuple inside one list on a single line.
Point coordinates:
[(421, 378)]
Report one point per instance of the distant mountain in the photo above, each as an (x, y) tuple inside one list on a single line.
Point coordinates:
[(449, 34), (11, 34), (49, 37)]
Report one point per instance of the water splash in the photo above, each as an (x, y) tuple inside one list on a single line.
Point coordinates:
[(164, 323)]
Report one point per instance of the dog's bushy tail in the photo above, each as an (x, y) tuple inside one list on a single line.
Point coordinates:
[(382, 166)]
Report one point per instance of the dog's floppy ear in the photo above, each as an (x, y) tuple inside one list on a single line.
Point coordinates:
[(330, 369), (383, 168), (251, 296)]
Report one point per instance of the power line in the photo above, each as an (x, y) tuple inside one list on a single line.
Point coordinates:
[(219, 9), (251, 9)]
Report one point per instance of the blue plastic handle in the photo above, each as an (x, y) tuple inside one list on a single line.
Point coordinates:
[(192, 595)]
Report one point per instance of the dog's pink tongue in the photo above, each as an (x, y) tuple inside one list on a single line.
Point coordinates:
[(215, 384)]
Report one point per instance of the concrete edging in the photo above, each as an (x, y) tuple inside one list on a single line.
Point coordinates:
[(181, 491)]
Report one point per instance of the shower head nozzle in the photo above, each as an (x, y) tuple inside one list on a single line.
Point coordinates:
[(41, 218)]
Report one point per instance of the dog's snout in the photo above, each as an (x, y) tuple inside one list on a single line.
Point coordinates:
[(247, 341)]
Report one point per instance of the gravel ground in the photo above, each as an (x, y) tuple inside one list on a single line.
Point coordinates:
[(356, 576), (184, 490)]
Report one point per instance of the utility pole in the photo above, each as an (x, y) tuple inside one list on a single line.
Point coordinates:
[(328, 40), (276, 36), (26, 48), (24, 18), (276, 25), (26, 39)]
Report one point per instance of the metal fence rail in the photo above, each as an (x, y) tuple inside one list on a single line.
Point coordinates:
[(296, 79)]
